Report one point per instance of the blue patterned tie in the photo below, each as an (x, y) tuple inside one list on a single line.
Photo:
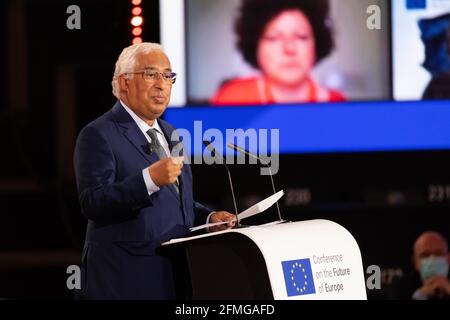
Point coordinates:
[(157, 148)]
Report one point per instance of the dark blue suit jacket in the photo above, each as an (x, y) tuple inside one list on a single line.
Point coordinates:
[(125, 224)]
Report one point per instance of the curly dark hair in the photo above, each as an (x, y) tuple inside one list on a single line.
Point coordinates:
[(255, 14)]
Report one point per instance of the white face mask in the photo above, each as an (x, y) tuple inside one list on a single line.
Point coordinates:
[(433, 266)]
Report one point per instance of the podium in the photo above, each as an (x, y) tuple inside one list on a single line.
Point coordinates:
[(310, 260)]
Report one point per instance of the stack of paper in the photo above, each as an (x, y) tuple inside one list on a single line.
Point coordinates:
[(253, 210)]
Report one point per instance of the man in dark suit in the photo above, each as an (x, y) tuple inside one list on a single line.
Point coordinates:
[(430, 278), (134, 193)]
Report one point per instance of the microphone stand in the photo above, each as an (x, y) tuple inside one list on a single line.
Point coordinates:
[(213, 153), (243, 151)]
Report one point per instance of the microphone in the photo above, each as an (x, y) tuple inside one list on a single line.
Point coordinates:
[(243, 151), (211, 148)]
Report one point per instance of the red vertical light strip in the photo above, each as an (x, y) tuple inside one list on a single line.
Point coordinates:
[(136, 21)]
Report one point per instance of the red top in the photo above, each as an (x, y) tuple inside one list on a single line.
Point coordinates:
[(253, 91)]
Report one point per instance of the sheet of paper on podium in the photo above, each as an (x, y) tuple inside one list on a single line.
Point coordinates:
[(253, 210)]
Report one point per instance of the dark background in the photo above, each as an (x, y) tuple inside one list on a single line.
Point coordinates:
[(53, 81)]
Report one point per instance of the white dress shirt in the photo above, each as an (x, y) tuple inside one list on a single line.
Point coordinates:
[(144, 127)]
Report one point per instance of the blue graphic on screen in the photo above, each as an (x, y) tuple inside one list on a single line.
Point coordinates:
[(298, 277), (329, 128), (416, 4)]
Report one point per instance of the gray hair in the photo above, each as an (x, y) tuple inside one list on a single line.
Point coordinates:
[(127, 61)]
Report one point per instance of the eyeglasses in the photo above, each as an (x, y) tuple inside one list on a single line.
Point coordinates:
[(152, 75)]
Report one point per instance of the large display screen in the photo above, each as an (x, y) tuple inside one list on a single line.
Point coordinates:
[(421, 49), (331, 76)]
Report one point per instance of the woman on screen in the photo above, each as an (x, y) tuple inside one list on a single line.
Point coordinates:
[(284, 39)]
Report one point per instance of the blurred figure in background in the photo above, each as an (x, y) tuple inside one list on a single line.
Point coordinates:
[(430, 278), (284, 39), (436, 38)]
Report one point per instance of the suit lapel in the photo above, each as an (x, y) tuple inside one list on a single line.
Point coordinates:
[(135, 136), (132, 133)]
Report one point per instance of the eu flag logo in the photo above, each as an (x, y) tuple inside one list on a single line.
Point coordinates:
[(298, 277), (416, 4)]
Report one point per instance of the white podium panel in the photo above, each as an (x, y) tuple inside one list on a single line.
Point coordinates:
[(310, 260), (316, 259)]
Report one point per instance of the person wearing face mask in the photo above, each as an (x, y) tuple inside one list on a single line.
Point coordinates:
[(430, 279)]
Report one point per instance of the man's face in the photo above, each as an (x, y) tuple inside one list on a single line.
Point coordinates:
[(148, 98), (429, 247)]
